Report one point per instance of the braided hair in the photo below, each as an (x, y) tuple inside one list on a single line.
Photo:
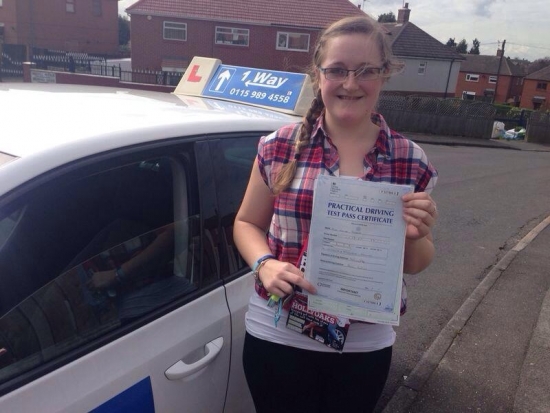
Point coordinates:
[(288, 170)]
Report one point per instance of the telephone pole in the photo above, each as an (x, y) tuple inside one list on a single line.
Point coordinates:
[(498, 70)]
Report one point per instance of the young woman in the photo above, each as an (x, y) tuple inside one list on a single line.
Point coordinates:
[(341, 135)]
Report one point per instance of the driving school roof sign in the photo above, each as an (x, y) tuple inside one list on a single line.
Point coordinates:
[(283, 91)]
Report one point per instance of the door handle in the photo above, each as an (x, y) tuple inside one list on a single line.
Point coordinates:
[(181, 369)]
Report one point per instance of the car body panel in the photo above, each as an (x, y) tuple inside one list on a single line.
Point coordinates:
[(92, 120), (91, 380), (52, 131), (238, 291)]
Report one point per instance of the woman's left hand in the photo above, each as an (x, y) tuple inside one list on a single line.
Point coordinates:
[(101, 280), (420, 214)]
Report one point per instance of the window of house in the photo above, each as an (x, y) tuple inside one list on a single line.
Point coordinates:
[(538, 102), (468, 95), (472, 78), (69, 7), (232, 36), (292, 41), (175, 31), (422, 68), (96, 7), (542, 85), (492, 79), (0, 3)]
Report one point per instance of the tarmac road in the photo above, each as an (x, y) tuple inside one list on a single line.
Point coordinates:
[(493, 355)]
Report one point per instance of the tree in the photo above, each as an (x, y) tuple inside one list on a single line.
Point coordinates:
[(475, 47), (462, 47), (451, 42), (123, 30), (538, 64), (387, 18)]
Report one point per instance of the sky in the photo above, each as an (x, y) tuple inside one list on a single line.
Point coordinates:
[(525, 25)]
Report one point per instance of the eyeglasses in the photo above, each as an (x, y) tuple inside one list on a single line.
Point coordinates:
[(362, 74)]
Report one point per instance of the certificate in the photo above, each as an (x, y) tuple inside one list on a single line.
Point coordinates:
[(355, 249)]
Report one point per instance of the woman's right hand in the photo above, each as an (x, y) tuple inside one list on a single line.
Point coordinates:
[(279, 277)]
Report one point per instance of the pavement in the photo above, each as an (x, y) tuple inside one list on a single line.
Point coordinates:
[(494, 353), (485, 143)]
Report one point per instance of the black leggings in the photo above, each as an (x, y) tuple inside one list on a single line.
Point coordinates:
[(287, 379)]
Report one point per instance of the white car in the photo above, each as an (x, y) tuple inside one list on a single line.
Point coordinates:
[(120, 286)]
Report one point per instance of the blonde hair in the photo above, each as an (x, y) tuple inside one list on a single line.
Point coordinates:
[(349, 25)]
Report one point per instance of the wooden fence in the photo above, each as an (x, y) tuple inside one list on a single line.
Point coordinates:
[(538, 127), (438, 116)]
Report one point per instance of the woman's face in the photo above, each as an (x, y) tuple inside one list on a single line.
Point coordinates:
[(349, 102)]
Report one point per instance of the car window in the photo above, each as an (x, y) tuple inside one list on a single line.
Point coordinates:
[(233, 159), (8, 224), (85, 256)]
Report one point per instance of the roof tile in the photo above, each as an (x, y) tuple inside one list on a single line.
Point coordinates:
[(489, 65), (542, 74), (315, 14), (408, 40)]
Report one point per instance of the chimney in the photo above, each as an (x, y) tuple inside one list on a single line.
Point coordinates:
[(403, 14), (499, 52)]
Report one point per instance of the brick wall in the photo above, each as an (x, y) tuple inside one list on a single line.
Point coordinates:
[(66, 78), (149, 49), (47, 24), (530, 91), (7, 16), (479, 87)]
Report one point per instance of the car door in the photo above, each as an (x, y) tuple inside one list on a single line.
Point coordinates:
[(111, 297), (232, 158)]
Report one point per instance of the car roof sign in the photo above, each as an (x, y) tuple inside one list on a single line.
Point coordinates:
[(197, 76), (286, 92)]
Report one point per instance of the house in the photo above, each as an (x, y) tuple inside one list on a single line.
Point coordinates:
[(278, 35), (490, 78), (536, 90), (431, 68), (70, 25)]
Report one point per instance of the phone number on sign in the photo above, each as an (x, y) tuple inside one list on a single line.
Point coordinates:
[(260, 95)]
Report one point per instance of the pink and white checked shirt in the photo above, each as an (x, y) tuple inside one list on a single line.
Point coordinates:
[(393, 159)]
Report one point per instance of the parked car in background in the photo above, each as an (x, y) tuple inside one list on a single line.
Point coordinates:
[(120, 285)]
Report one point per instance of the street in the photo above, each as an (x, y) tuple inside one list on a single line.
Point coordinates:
[(488, 199)]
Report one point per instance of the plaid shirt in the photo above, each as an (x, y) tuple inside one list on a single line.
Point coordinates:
[(393, 159)]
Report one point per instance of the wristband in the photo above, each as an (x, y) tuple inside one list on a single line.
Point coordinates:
[(259, 264), (260, 260)]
